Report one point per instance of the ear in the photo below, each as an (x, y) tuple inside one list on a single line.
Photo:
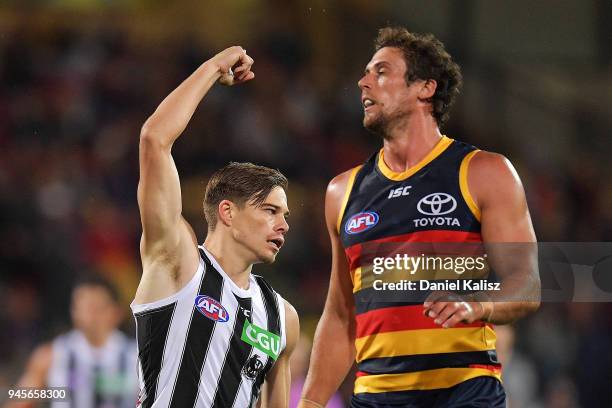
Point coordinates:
[(428, 89), (225, 212)]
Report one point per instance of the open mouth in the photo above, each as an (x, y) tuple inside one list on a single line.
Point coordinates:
[(278, 243), (367, 103)]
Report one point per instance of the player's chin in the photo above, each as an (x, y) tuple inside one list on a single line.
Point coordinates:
[(267, 257), (367, 120), (371, 122)]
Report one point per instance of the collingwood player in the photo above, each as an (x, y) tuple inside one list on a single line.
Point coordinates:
[(210, 333), (94, 361)]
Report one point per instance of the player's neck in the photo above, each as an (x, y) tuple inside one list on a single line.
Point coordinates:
[(96, 340), (230, 257), (409, 141)]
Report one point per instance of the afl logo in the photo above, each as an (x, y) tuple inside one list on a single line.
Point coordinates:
[(210, 308), (437, 204), (361, 222)]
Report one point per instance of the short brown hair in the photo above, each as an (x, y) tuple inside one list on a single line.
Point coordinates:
[(425, 58), (93, 279), (240, 183)]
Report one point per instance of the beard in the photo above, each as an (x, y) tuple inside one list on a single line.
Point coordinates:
[(377, 126), (383, 124)]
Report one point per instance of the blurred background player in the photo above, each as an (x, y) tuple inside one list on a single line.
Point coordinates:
[(95, 361), (441, 352), (518, 373)]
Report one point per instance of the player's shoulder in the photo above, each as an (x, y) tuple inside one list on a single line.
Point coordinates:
[(43, 351), (340, 179), (491, 176), (263, 284), (292, 324), (290, 311), (337, 186), (42, 356), (67, 338), (489, 161), (491, 166)]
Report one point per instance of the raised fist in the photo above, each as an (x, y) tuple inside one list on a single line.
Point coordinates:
[(234, 64)]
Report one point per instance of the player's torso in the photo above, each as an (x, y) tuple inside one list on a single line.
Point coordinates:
[(386, 214), (211, 344), (428, 204), (103, 376)]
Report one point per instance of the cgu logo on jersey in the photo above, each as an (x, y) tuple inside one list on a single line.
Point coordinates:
[(437, 204), (261, 339), (361, 222), (211, 308)]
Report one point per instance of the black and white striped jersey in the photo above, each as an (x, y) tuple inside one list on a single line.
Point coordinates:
[(210, 344), (97, 377)]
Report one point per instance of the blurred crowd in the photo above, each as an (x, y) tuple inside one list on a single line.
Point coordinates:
[(73, 98)]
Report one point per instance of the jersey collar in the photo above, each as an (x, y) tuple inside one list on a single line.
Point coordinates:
[(441, 146)]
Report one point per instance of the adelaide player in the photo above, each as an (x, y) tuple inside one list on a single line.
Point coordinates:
[(440, 352)]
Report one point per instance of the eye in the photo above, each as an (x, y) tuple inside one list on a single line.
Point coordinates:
[(270, 210)]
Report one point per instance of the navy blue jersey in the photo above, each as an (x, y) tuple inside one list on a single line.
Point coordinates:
[(384, 212)]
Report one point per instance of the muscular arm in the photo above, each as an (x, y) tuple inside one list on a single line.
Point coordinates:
[(505, 220), (168, 244), (333, 351), (35, 375), (510, 244), (278, 381)]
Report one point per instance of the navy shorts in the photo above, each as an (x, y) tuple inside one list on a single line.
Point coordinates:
[(477, 392)]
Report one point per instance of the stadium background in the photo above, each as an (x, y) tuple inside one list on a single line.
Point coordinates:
[(78, 78)]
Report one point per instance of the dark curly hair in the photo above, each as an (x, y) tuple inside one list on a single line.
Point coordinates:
[(425, 58)]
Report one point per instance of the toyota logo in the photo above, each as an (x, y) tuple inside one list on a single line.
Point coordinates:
[(437, 204)]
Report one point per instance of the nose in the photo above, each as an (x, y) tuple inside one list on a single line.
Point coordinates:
[(364, 82), (283, 226)]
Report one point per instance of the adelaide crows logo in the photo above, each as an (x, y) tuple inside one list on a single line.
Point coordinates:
[(252, 367)]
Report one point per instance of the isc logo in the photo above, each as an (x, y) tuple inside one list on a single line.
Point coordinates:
[(398, 192), (361, 222), (210, 308)]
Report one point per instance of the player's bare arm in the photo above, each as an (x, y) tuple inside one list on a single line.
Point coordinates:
[(504, 219), (35, 375), (333, 351), (278, 381), (168, 244)]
